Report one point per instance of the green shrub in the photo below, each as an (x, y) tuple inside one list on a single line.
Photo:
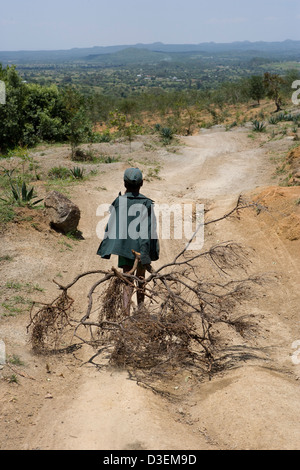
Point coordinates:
[(7, 213), (110, 159), (82, 156), (60, 172), (101, 138)]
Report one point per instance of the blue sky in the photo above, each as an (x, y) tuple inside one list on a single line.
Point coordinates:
[(64, 24)]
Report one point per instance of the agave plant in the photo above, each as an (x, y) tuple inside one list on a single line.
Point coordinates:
[(77, 172), (259, 126), (7, 172), (166, 134), (21, 195), (296, 118), (273, 120)]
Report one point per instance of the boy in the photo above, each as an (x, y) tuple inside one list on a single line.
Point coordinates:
[(131, 227)]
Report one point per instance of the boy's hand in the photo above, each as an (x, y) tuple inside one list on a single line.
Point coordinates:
[(147, 267)]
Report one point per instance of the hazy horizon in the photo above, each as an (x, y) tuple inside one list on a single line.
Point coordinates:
[(147, 44), (62, 25)]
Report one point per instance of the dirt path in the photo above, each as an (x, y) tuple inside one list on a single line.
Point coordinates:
[(254, 407)]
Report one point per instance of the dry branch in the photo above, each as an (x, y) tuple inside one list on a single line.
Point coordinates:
[(177, 328)]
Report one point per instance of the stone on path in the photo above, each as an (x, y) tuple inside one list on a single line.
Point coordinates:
[(63, 214)]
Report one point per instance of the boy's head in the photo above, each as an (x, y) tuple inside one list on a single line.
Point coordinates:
[(133, 179)]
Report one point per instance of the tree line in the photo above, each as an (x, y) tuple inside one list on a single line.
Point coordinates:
[(36, 113)]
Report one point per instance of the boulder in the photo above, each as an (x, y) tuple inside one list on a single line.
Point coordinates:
[(63, 214)]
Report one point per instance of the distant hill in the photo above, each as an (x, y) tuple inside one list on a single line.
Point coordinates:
[(130, 55), (145, 53)]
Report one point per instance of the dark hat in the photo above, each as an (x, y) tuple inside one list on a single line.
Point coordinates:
[(133, 176)]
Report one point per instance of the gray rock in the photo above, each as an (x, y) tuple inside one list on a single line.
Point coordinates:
[(63, 214)]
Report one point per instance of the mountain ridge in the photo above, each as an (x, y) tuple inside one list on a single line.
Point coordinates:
[(276, 49)]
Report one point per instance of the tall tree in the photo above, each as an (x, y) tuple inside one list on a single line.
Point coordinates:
[(78, 127), (257, 89), (273, 84)]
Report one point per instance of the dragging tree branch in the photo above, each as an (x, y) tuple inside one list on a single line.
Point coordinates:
[(180, 324)]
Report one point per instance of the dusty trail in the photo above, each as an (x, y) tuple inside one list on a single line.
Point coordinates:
[(244, 409)]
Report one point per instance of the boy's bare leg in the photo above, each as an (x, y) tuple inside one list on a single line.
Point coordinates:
[(128, 290)]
